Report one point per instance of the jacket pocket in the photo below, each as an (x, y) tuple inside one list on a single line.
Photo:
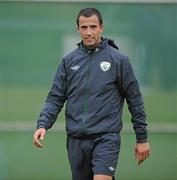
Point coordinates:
[(103, 107)]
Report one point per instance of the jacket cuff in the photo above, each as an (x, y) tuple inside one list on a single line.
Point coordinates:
[(142, 138), (41, 126)]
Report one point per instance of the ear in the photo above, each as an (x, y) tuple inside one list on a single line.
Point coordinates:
[(102, 27), (77, 28)]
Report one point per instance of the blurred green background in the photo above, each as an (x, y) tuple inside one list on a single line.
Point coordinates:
[(33, 39)]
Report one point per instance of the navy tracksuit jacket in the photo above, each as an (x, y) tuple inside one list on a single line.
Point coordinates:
[(94, 83)]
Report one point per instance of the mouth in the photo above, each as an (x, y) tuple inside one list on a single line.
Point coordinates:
[(88, 39)]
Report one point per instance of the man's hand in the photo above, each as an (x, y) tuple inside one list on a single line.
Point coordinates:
[(39, 135), (142, 151)]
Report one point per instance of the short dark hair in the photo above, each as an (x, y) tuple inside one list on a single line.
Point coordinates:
[(87, 12)]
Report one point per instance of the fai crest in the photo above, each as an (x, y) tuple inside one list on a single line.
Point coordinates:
[(105, 66)]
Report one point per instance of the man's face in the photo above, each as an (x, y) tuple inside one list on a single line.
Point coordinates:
[(90, 30)]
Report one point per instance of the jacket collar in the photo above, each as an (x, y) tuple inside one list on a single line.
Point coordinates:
[(104, 42)]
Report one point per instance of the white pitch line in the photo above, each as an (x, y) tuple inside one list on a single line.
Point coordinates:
[(60, 127)]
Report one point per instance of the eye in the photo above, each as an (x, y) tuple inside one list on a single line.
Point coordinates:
[(93, 27), (83, 27)]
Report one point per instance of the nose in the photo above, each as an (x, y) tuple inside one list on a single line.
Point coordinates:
[(88, 32)]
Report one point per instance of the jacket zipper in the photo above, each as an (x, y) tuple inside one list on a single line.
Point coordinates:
[(86, 92)]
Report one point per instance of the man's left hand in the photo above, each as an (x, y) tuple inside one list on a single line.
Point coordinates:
[(142, 151)]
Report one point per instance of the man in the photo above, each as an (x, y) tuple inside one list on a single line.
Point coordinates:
[(94, 79)]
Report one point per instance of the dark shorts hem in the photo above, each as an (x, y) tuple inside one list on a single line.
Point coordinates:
[(104, 173)]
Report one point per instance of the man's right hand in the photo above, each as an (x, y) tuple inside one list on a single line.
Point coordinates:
[(37, 136)]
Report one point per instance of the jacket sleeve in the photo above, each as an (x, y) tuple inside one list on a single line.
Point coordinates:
[(134, 100), (55, 99)]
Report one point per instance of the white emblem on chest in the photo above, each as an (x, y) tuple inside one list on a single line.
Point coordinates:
[(75, 68), (105, 66)]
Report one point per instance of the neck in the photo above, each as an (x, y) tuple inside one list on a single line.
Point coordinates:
[(94, 46)]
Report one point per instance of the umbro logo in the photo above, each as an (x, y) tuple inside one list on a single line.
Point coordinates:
[(75, 68), (111, 168)]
